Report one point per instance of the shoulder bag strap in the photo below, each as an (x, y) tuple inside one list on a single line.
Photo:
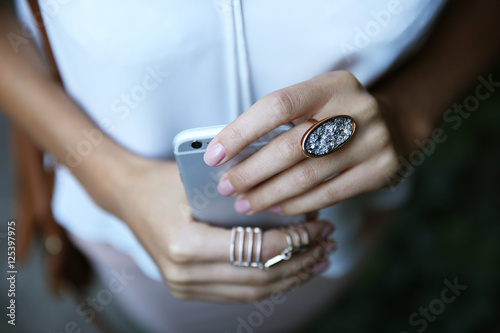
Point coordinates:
[(37, 14)]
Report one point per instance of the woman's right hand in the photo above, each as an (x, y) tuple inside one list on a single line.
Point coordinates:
[(193, 257)]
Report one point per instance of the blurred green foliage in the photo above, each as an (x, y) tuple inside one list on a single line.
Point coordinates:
[(449, 229)]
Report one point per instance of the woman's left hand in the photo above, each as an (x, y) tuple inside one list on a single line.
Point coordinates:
[(279, 177)]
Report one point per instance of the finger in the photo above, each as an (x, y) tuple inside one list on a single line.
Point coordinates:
[(273, 110), (309, 173), (205, 243), (286, 150), (362, 178), (217, 273), (232, 293), (284, 277), (296, 181), (279, 154), (295, 103)]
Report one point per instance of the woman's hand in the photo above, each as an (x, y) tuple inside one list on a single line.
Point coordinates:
[(193, 257), (147, 195), (279, 177)]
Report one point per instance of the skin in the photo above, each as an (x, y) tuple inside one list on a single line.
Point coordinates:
[(192, 256), (390, 118)]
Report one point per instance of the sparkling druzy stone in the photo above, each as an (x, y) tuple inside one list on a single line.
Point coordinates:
[(328, 136)]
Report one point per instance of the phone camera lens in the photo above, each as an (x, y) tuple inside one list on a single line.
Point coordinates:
[(196, 144)]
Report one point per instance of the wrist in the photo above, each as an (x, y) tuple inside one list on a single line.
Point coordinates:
[(120, 181), (103, 172)]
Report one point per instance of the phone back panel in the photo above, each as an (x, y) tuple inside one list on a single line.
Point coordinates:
[(200, 181)]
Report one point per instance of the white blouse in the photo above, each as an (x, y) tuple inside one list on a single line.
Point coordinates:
[(145, 70)]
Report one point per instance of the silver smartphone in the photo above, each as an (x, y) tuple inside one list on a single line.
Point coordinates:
[(200, 180)]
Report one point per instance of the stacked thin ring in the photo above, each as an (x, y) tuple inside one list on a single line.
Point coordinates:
[(254, 236), (296, 237)]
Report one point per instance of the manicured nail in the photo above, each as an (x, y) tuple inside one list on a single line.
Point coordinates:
[(214, 154), (242, 206), (321, 267), (331, 247), (225, 188), (328, 230), (276, 209)]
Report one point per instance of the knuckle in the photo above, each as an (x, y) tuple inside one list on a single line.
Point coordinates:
[(367, 108), (385, 137), (253, 294), (371, 104), (380, 137), (348, 79), (262, 280), (389, 161), (239, 179), (287, 149), (176, 275), (331, 195), (258, 201), (290, 210), (281, 103), (234, 135), (305, 176), (181, 296), (392, 168), (179, 252)]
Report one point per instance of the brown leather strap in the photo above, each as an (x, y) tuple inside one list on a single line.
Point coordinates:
[(37, 14), (33, 191)]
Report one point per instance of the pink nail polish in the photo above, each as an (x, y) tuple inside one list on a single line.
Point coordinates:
[(331, 247), (225, 188), (321, 267), (328, 230), (242, 206), (276, 209), (214, 154)]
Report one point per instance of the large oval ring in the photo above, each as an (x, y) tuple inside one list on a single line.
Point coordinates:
[(327, 136)]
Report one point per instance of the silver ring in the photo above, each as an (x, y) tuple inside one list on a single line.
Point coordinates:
[(250, 239), (286, 254), (257, 262), (295, 237), (304, 234), (241, 233), (252, 236), (301, 237)]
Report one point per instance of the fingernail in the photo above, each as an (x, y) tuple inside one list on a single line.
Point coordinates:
[(328, 230), (276, 209), (242, 206), (321, 267), (225, 188), (214, 154), (331, 247)]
